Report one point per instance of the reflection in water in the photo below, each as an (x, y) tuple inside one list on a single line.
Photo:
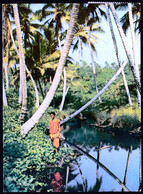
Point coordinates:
[(101, 165), (57, 183), (127, 165), (96, 141)]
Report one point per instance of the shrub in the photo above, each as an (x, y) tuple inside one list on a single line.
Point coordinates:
[(24, 159)]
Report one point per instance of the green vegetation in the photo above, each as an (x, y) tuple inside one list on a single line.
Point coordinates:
[(24, 159), (35, 42)]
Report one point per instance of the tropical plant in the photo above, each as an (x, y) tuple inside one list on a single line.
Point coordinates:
[(45, 104), (125, 46), (22, 64), (117, 54), (96, 96)]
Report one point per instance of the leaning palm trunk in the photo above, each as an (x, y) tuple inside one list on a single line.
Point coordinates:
[(96, 96), (28, 72), (134, 48), (93, 65), (137, 81), (46, 102), (117, 55), (22, 64)]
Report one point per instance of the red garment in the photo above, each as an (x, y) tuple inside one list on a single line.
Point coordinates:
[(57, 183), (54, 126)]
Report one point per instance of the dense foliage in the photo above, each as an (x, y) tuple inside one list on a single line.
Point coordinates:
[(26, 160)]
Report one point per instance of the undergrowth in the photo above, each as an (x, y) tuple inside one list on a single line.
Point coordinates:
[(24, 158)]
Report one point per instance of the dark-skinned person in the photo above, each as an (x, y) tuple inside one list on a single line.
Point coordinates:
[(54, 131)]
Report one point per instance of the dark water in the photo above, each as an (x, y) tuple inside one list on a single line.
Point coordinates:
[(120, 156)]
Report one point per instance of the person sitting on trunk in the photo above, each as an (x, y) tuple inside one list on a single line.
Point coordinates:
[(54, 131)]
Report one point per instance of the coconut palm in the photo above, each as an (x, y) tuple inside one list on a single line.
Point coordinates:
[(22, 63), (93, 65), (96, 96), (134, 48), (45, 104), (82, 35), (132, 65), (6, 43), (133, 13), (136, 12), (117, 54), (28, 72)]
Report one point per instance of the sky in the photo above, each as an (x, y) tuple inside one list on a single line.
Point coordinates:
[(104, 46)]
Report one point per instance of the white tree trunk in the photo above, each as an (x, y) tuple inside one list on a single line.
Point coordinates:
[(27, 126), (64, 91), (123, 38), (134, 49), (28, 72), (67, 89), (95, 97), (22, 63), (6, 74), (93, 65), (4, 96), (117, 55)]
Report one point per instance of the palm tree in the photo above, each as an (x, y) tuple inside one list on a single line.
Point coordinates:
[(125, 46), (82, 35), (28, 72), (22, 64), (45, 104), (92, 58), (5, 41), (117, 54), (96, 96), (134, 48)]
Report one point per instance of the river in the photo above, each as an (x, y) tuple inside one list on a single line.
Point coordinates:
[(116, 163)]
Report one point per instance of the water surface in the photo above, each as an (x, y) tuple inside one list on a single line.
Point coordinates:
[(121, 156)]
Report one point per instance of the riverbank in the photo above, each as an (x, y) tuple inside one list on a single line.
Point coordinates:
[(125, 119)]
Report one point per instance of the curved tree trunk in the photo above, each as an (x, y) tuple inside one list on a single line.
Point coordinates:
[(28, 72), (93, 65), (123, 38), (95, 97), (22, 64), (117, 55), (46, 102), (134, 49)]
